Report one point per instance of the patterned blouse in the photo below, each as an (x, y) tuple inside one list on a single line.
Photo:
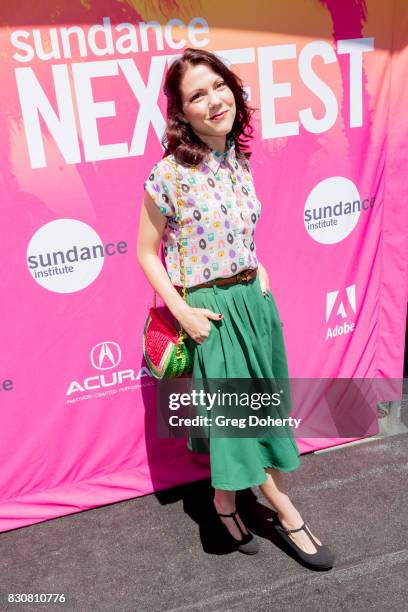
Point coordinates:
[(219, 215)]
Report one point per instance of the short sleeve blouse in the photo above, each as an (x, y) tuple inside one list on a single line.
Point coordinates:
[(219, 215)]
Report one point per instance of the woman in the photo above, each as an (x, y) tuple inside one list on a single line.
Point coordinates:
[(233, 326)]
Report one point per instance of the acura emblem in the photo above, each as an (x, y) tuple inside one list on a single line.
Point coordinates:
[(106, 355)]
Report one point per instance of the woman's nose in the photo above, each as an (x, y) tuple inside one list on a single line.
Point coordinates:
[(214, 98)]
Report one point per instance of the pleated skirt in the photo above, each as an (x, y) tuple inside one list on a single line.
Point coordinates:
[(247, 343)]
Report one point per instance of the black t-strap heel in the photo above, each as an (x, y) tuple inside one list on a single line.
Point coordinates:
[(323, 558), (249, 544)]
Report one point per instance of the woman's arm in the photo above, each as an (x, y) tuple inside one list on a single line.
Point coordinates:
[(151, 227)]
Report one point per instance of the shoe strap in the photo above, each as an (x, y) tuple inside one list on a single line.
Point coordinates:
[(244, 535), (306, 529), (293, 530)]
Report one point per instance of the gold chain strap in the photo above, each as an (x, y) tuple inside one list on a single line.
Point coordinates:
[(181, 246), (182, 333)]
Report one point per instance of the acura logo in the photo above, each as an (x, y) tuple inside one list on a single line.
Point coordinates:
[(105, 355)]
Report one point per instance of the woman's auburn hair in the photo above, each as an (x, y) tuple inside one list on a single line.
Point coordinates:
[(179, 138)]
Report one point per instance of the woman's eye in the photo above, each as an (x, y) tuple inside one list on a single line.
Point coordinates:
[(200, 95)]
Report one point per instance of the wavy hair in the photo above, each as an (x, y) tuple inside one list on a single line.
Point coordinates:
[(179, 138)]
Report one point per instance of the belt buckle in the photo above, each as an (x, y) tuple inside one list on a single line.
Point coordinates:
[(244, 276)]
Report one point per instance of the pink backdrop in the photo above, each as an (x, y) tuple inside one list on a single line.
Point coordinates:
[(82, 118)]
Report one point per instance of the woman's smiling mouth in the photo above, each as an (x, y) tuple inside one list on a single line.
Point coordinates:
[(219, 116)]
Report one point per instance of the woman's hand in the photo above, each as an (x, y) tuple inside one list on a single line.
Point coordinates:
[(195, 322), (263, 278)]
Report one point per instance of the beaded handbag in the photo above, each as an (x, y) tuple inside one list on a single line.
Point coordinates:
[(164, 349)]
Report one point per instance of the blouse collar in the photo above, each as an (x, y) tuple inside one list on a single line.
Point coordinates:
[(214, 158)]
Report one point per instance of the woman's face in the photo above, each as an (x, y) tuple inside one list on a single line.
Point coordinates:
[(205, 94)]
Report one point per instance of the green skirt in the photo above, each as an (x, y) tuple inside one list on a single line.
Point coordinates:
[(246, 343)]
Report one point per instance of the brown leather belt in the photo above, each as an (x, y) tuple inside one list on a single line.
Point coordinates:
[(242, 277)]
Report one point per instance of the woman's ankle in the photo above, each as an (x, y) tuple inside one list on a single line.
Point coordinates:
[(224, 502), (224, 506), (290, 519)]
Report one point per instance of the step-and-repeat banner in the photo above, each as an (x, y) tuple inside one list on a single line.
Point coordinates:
[(81, 120)]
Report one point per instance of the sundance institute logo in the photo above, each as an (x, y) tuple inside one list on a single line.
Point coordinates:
[(333, 208), (67, 255)]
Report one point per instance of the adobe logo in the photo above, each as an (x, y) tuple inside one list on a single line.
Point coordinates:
[(341, 305)]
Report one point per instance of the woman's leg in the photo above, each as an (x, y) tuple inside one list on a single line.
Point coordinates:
[(224, 502), (275, 492)]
